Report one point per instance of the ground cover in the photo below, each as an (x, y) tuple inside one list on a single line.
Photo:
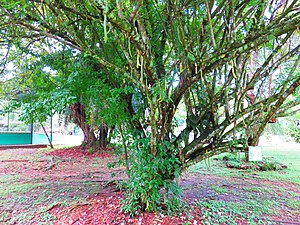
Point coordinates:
[(75, 187)]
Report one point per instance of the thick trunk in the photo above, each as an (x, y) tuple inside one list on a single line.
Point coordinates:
[(103, 136), (254, 135), (89, 136), (79, 117)]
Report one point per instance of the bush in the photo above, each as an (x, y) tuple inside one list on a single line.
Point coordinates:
[(232, 161), (295, 133), (151, 185)]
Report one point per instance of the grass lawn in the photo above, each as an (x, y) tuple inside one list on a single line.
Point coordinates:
[(256, 197), (35, 186), (288, 155)]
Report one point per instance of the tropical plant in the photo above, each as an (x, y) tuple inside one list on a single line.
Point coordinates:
[(232, 64)]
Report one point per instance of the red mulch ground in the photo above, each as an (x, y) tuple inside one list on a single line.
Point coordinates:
[(74, 172), (79, 152), (104, 208)]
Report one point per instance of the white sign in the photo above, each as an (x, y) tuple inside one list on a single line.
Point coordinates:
[(255, 153)]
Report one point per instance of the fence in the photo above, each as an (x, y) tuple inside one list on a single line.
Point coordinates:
[(15, 132)]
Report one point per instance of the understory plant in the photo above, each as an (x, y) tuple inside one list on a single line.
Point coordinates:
[(230, 67), (151, 184), (234, 161)]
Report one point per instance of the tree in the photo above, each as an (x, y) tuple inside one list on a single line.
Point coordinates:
[(51, 81), (34, 93), (216, 57), (70, 68)]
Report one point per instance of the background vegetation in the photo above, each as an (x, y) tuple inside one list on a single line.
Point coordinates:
[(126, 67)]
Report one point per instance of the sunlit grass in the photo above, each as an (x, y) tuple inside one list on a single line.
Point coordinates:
[(288, 155), (15, 188), (254, 203)]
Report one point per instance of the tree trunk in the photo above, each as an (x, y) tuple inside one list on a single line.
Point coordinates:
[(49, 140), (89, 136), (79, 118), (103, 136)]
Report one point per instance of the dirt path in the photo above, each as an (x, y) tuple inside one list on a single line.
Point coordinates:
[(75, 187)]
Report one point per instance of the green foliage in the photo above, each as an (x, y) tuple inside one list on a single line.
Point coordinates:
[(277, 128), (150, 186), (131, 65), (239, 143), (112, 105), (234, 161), (294, 132), (35, 90), (270, 165)]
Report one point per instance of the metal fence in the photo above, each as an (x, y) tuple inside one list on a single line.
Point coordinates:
[(15, 132)]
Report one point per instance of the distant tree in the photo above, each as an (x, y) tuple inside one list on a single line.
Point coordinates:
[(232, 64), (53, 82)]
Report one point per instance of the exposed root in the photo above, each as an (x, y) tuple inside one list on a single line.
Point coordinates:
[(53, 206), (51, 164), (73, 207)]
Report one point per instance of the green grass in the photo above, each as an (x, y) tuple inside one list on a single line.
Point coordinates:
[(293, 204), (9, 178), (224, 212), (217, 168), (228, 203), (219, 190), (46, 216), (4, 216), (26, 198), (288, 155), (16, 189), (265, 190), (249, 202), (253, 204), (36, 198)]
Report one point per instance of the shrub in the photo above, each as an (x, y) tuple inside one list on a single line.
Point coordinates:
[(151, 185)]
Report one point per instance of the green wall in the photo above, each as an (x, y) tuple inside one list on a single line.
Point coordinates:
[(22, 138), (15, 138)]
